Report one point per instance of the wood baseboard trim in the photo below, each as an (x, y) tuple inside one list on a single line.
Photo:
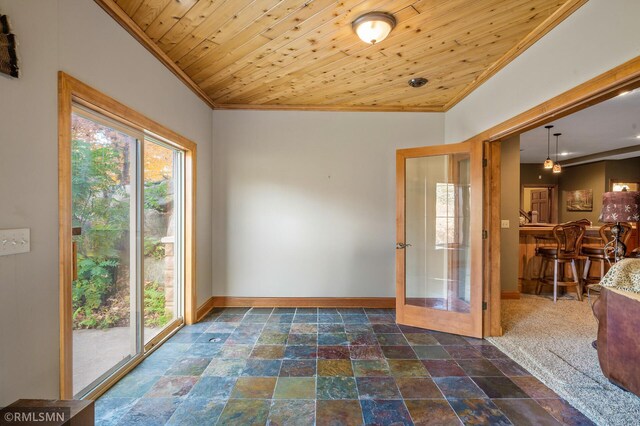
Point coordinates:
[(513, 295), (303, 302), (204, 309)]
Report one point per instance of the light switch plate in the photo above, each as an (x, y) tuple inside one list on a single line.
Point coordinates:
[(505, 224), (14, 241)]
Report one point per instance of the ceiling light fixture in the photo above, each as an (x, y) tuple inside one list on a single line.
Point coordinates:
[(548, 163), (626, 92), (373, 27), (564, 154), (557, 168)]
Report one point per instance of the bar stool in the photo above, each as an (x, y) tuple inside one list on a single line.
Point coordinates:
[(597, 254), (568, 241)]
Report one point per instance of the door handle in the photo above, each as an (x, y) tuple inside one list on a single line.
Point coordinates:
[(74, 260), (75, 231), (402, 245)]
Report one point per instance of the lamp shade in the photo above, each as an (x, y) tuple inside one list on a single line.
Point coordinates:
[(622, 206)]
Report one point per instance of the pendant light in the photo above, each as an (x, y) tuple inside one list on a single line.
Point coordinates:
[(548, 163), (557, 168)]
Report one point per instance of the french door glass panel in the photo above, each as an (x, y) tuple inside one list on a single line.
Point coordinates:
[(128, 215), (437, 227), (105, 289)]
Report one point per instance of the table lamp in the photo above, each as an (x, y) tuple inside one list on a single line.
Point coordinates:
[(620, 206)]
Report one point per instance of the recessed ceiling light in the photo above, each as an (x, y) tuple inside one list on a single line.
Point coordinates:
[(418, 82), (564, 153), (626, 92), (638, 137)]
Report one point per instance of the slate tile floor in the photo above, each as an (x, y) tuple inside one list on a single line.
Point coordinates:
[(306, 366)]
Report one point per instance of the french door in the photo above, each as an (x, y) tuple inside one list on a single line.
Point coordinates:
[(439, 238), (127, 190)]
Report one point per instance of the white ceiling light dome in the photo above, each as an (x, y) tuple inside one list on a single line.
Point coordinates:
[(373, 27)]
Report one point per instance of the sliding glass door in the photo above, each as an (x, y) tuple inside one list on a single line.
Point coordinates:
[(105, 311), (163, 233), (127, 209)]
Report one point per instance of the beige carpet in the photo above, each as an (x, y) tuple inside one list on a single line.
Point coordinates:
[(553, 341)]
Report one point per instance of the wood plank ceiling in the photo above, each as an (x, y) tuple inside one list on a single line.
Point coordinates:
[(303, 54)]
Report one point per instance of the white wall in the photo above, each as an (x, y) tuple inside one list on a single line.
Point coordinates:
[(75, 36), (304, 202), (599, 36)]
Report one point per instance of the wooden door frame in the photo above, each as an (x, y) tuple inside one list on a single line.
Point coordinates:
[(449, 321), (555, 212), (622, 78), (72, 91)]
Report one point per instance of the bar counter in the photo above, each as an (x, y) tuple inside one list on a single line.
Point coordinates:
[(529, 264)]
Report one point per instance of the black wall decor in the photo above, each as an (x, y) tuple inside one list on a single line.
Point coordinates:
[(8, 56)]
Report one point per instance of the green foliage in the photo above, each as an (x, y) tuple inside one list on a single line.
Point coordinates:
[(101, 207), (153, 248), (155, 314), (156, 195), (94, 285)]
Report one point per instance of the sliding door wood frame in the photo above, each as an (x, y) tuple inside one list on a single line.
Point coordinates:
[(72, 91), (622, 78)]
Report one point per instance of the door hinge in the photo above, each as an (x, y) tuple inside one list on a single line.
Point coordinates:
[(485, 234), (484, 162), (484, 306)]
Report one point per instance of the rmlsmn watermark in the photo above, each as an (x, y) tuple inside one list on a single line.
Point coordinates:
[(34, 415)]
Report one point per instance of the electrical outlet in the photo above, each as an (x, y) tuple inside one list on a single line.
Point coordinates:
[(14, 241), (505, 224)]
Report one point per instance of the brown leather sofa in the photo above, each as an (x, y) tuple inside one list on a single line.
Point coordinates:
[(619, 337)]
